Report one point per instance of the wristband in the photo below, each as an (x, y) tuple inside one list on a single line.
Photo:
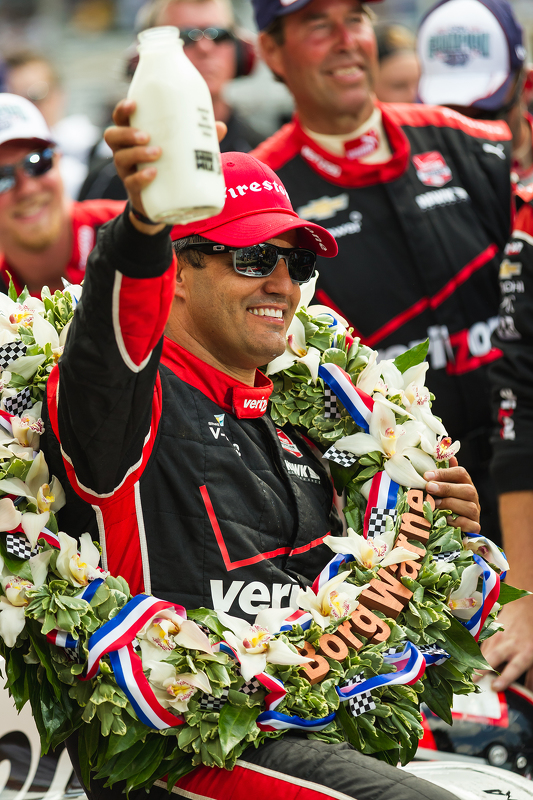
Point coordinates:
[(139, 216)]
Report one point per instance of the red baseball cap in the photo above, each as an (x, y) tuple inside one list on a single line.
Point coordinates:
[(257, 208)]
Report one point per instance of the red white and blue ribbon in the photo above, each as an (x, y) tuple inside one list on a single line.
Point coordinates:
[(383, 494), (490, 594), (123, 628), (410, 666), (62, 638), (331, 570), (272, 720), (128, 672), (301, 618), (358, 404)]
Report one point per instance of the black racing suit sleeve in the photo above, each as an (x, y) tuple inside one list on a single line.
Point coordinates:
[(109, 367), (512, 375)]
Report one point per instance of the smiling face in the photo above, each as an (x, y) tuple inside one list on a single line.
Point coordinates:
[(239, 322), (327, 58), (32, 212)]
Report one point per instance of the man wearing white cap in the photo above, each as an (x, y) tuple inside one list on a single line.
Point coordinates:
[(44, 237), (472, 59)]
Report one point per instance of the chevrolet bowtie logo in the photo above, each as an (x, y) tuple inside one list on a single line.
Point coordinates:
[(508, 269), (323, 208)]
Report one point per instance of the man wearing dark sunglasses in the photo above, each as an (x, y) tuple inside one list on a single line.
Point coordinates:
[(173, 459), (43, 236)]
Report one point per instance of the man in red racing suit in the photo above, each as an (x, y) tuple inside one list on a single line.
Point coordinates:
[(418, 198), (173, 460)]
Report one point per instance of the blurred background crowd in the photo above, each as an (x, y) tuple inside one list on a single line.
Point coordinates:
[(74, 60)]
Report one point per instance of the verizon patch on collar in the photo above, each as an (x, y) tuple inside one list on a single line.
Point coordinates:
[(432, 168), (249, 402)]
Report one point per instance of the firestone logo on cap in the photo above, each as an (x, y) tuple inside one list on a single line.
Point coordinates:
[(268, 186), (458, 46)]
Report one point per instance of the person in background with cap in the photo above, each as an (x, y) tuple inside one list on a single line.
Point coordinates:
[(44, 237), (472, 59), (419, 200), (172, 457), (219, 51)]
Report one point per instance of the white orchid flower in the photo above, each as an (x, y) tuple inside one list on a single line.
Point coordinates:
[(416, 398), (336, 599), (174, 690), (78, 568), (466, 600), (405, 462), (11, 518), (383, 377), (14, 599), (486, 549), (12, 314), (167, 629), (255, 644), (370, 553), (28, 429), (47, 496)]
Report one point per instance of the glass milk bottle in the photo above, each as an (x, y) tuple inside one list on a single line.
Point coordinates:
[(174, 106)]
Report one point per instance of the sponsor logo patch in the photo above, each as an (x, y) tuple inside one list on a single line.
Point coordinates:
[(347, 228), (324, 207), (508, 269), (302, 471), (321, 163), (363, 146), (287, 444), (432, 168), (513, 248), (449, 196), (459, 45)]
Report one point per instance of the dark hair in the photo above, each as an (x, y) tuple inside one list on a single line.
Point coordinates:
[(392, 39), (192, 257)]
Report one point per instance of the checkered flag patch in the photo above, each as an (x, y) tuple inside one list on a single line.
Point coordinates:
[(340, 456), (19, 546), (452, 555), (377, 521), (10, 352), (362, 702), (330, 404), (71, 654), (210, 703), (19, 403), (251, 687)]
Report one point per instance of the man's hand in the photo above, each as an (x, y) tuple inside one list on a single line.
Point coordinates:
[(512, 647), (453, 489), (131, 147), (511, 650)]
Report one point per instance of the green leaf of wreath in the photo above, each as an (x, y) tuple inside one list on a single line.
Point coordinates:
[(412, 357), (510, 593), (460, 644), (234, 723)]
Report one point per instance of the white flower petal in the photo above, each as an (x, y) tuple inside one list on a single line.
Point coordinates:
[(402, 471), (312, 362), (32, 525), (284, 361), (421, 461), (39, 567), (280, 653), (359, 444), (317, 310), (12, 622), (58, 493), (192, 637), (38, 474), (44, 333), (307, 290), (27, 366), (238, 626), (15, 486), (88, 551), (10, 517), (397, 555)]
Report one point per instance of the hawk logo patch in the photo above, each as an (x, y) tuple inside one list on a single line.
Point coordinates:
[(432, 169)]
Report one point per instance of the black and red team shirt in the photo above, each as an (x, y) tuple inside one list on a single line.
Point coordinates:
[(194, 493), (420, 239), (512, 375), (85, 219)]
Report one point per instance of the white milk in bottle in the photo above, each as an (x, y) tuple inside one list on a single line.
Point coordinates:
[(174, 106)]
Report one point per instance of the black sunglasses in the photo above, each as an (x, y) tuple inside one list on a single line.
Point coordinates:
[(217, 35), (34, 164), (260, 260)]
